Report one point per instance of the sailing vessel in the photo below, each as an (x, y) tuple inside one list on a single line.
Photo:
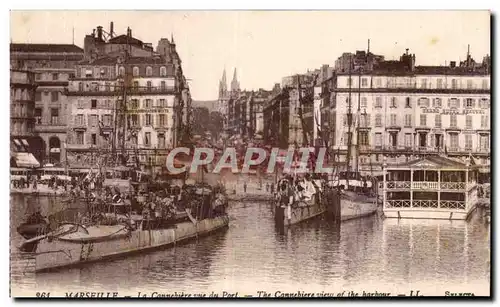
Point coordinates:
[(359, 194)]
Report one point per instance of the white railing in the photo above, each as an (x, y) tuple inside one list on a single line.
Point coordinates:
[(452, 185), (397, 204), (432, 204), (398, 184), (452, 204), (425, 185)]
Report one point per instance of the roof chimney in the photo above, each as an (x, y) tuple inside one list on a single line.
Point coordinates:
[(99, 32), (111, 28), (93, 32), (407, 51)]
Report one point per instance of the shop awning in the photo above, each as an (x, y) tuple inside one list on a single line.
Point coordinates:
[(26, 159)]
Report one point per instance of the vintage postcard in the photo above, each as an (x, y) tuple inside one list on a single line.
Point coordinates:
[(250, 154)]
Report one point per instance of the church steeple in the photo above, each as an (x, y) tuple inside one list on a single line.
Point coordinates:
[(235, 85), (223, 84)]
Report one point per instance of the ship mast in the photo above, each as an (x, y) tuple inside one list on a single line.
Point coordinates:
[(358, 119), (349, 123)]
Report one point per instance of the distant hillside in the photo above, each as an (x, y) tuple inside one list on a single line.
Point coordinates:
[(210, 104)]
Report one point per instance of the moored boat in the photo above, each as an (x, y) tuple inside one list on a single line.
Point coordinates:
[(119, 231)]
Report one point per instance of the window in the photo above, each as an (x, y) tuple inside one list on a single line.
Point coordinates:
[(364, 81), (484, 142), (378, 102), (469, 84), (484, 121), (107, 87), (148, 103), (149, 85), (454, 140), (407, 120), (161, 140), (344, 120), (88, 73), (136, 85), (484, 103), (134, 104), (135, 71), (38, 96), (163, 71), (365, 120), (54, 96), (38, 76), (55, 76), (38, 116), (134, 118), (468, 141), (408, 102), (468, 122), (378, 139), (162, 104), (80, 86), (454, 83), (454, 103), (54, 116), (378, 120), (93, 104), (393, 102), (161, 120), (394, 119), (437, 121), (453, 120), (163, 85), (436, 102), (423, 102), (469, 103), (378, 82), (107, 120), (424, 83), (147, 138), (364, 138), (93, 120), (79, 137), (80, 104), (439, 83), (408, 139), (149, 120), (485, 84), (149, 71), (363, 103), (121, 71), (423, 120), (94, 139)]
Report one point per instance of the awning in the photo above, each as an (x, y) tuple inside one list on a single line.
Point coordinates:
[(26, 159)]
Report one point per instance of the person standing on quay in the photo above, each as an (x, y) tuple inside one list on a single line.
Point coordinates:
[(245, 187)]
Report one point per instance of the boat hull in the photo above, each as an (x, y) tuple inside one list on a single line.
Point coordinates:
[(357, 208), (298, 212), (57, 253)]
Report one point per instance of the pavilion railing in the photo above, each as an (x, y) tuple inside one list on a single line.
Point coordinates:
[(422, 204)]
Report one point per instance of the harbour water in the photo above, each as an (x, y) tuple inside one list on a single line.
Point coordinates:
[(370, 254)]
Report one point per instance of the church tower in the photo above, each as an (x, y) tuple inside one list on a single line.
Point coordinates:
[(235, 85), (223, 85)]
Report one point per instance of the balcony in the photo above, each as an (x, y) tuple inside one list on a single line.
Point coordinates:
[(428, 185), (60, 128), (424, 204), (119, 91)]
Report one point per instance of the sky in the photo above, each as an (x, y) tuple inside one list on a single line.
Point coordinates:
[(266, 46)]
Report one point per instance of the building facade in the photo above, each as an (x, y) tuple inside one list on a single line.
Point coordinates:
[(22, 120), (130, 109), (403, 110), (52, 65)]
